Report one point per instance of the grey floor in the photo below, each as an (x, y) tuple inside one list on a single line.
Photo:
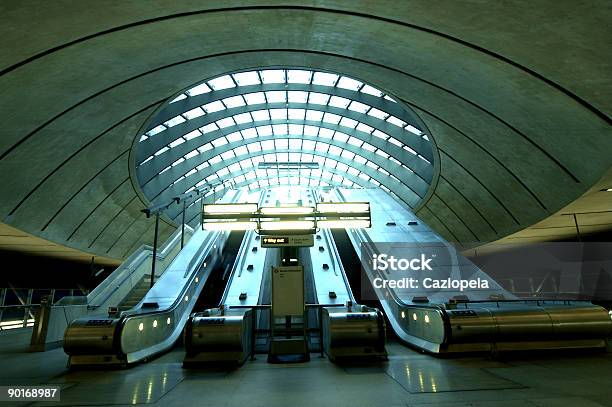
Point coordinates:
[(409, 378)]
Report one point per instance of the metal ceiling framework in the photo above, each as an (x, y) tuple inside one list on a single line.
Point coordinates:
[(223, 128)]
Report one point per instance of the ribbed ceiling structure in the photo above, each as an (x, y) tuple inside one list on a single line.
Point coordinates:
[(516, 96), (251, 127)]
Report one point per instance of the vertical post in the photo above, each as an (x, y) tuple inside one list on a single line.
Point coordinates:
[(183, 226), (253, 332), (26, 310), (321, 331), (577, 228), (2, 299), (154, 249)]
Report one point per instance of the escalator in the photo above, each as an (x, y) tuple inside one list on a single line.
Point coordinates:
[(154, 324), (241, 325), (224, 333), (449, 319), (348, 329)]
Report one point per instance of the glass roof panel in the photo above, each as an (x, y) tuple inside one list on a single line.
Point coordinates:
[(246, 78), (348, 83), (273, 76), (222, 82), (234, 101), (255, 98), (198, 90), (260, 115), (243, 118), (297, 96), (314, 115), (175, 120), (324, 78), (276, 96), (298, 76), (179, 97), (212, 107), (340, 102), (318, 98), (296, 114), (371, 91), (193, 113), (283, 132)]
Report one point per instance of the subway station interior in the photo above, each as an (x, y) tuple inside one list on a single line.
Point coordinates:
[(306, 203)]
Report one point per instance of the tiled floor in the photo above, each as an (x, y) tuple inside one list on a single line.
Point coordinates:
[(409, 378)]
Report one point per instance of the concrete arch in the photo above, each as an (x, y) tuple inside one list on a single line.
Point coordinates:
[(515, 125)]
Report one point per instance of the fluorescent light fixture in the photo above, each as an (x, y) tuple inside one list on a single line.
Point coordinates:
[(230, 225), (14, 322), (6, 327), (343, 207), (606, 190), (224, 209), (288, 225), (286, 210), (342, 224)]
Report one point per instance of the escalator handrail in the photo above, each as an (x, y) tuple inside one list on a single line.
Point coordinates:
[(141, 256), (240, 257)]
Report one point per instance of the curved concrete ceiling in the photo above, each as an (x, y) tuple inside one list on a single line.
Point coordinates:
[(516, 96)]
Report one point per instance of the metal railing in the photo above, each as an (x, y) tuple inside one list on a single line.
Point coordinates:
[(19, 306)]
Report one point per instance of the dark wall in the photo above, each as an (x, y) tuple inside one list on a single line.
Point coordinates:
[(25, 271)]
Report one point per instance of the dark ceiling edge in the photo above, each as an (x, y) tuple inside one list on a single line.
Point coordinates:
[(449, 37)]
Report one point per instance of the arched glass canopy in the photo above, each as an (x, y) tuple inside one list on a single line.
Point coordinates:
[(275, 127)]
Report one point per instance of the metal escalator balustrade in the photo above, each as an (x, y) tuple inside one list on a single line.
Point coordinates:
[(157, 321), (227, 334), (451, 320), (53, 320), (346, 332)]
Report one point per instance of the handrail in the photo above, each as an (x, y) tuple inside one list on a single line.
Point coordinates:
[(336, 254), (266, 306), (210, 241), (142, 257), (239, 257)]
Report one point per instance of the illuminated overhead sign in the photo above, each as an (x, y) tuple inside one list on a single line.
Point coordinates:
[(287, 241), (286, 220)]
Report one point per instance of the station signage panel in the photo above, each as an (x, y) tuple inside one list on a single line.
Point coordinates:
[(287, 241)]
